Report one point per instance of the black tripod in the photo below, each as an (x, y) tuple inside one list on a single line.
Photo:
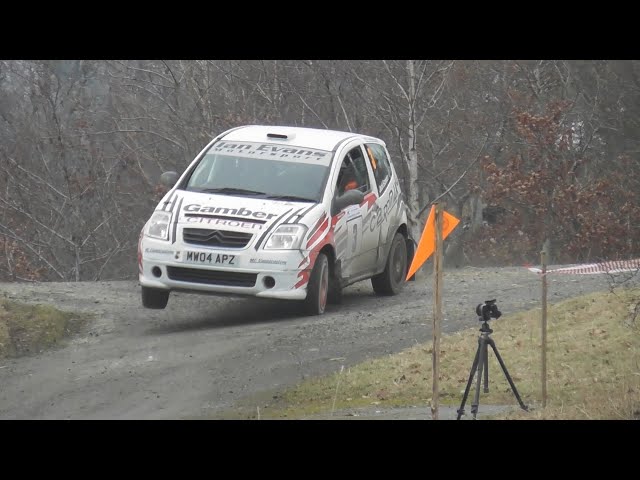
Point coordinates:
[(481, 359)]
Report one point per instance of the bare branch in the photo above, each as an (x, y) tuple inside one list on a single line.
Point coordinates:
[(36, 221), (397, 82), (422, 210), (311, 110), (139, 130), (94, 230), (18, 277), (11, 234), (170, 71)]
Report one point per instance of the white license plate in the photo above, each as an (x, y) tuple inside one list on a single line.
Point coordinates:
[(210, 258)]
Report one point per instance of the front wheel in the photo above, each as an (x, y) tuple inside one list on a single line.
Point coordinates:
[(318, 287), (391, 281)]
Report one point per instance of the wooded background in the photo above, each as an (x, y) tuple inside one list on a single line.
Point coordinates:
[(529, 154)]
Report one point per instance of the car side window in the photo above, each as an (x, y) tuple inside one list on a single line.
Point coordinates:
[(353, 173), (380, 165)]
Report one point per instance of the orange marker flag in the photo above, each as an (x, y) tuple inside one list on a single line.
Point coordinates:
[(427, 244)]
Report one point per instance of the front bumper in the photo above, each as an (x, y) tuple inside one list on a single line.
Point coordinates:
[(270, 274)]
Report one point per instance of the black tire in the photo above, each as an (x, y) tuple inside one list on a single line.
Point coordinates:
[(318, 288), (391, 281), (154, 298)]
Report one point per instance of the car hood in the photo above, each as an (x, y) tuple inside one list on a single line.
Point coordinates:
[(235, 212)]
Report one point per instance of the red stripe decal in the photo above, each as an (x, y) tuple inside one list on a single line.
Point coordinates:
[(305, 274), (318, 223), (319, 229), (369, 199), (318, 233)]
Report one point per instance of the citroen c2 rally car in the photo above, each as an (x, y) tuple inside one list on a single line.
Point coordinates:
[(278, 212)]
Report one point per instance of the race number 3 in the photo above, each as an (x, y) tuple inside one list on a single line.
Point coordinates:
[(355, 238)]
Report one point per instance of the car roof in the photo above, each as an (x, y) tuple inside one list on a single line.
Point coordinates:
[(316, 138)]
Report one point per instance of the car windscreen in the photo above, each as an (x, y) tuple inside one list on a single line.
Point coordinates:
[(262, 170)]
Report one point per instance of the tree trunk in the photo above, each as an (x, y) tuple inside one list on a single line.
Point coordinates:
[(412, 159)]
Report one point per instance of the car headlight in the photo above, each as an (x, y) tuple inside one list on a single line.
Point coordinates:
[(286, 237), (158, 226)]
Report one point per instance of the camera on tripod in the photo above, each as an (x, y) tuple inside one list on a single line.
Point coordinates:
[(488, 310)]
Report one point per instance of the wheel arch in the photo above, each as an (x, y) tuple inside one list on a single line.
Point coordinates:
[(411, 246), (330, 252), (402, 229)]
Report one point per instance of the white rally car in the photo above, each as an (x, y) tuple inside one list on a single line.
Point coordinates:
[(278, 212)]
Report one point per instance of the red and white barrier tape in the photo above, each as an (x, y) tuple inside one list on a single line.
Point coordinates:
[(617, 266)]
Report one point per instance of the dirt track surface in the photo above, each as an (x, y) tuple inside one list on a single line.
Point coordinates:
[(204, 353)]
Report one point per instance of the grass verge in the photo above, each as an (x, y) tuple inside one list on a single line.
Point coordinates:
[(28, 329), (593, 368)]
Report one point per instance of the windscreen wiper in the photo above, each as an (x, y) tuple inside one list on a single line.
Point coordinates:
[(231, 191), (293, 198)]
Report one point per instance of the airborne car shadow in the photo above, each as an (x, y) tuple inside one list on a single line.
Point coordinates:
[(210, 314), (233, 313)]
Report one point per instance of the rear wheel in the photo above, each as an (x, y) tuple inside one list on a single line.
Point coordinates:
[(391, 281), (154, 298), (318, 288)]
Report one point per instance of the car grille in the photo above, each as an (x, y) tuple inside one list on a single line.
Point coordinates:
[(212, 277), (216, 238)]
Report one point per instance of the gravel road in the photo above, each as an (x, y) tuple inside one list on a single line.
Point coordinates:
[(204, 353)]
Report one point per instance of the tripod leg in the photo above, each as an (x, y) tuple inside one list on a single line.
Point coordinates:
[(486, 368), (506, 373), (481, 362), (466, 391)]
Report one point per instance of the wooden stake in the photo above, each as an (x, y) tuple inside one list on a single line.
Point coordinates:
[(543, 255), (437, 309)]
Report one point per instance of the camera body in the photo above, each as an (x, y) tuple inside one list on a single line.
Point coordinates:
[(488, 310)]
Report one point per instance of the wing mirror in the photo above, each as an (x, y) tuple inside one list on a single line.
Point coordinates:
[(351, 197), (169, 179)]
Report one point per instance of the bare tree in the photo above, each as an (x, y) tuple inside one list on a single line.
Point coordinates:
[(82, 145)]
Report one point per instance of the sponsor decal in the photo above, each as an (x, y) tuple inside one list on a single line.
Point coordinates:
[(270, 151), (268, 261), (235, 212), (352, 211), (378, 220), (155, 250), (224, 222)]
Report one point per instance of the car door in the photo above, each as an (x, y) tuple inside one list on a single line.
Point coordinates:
[(371, 216), (377, 227), (353, 249)]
